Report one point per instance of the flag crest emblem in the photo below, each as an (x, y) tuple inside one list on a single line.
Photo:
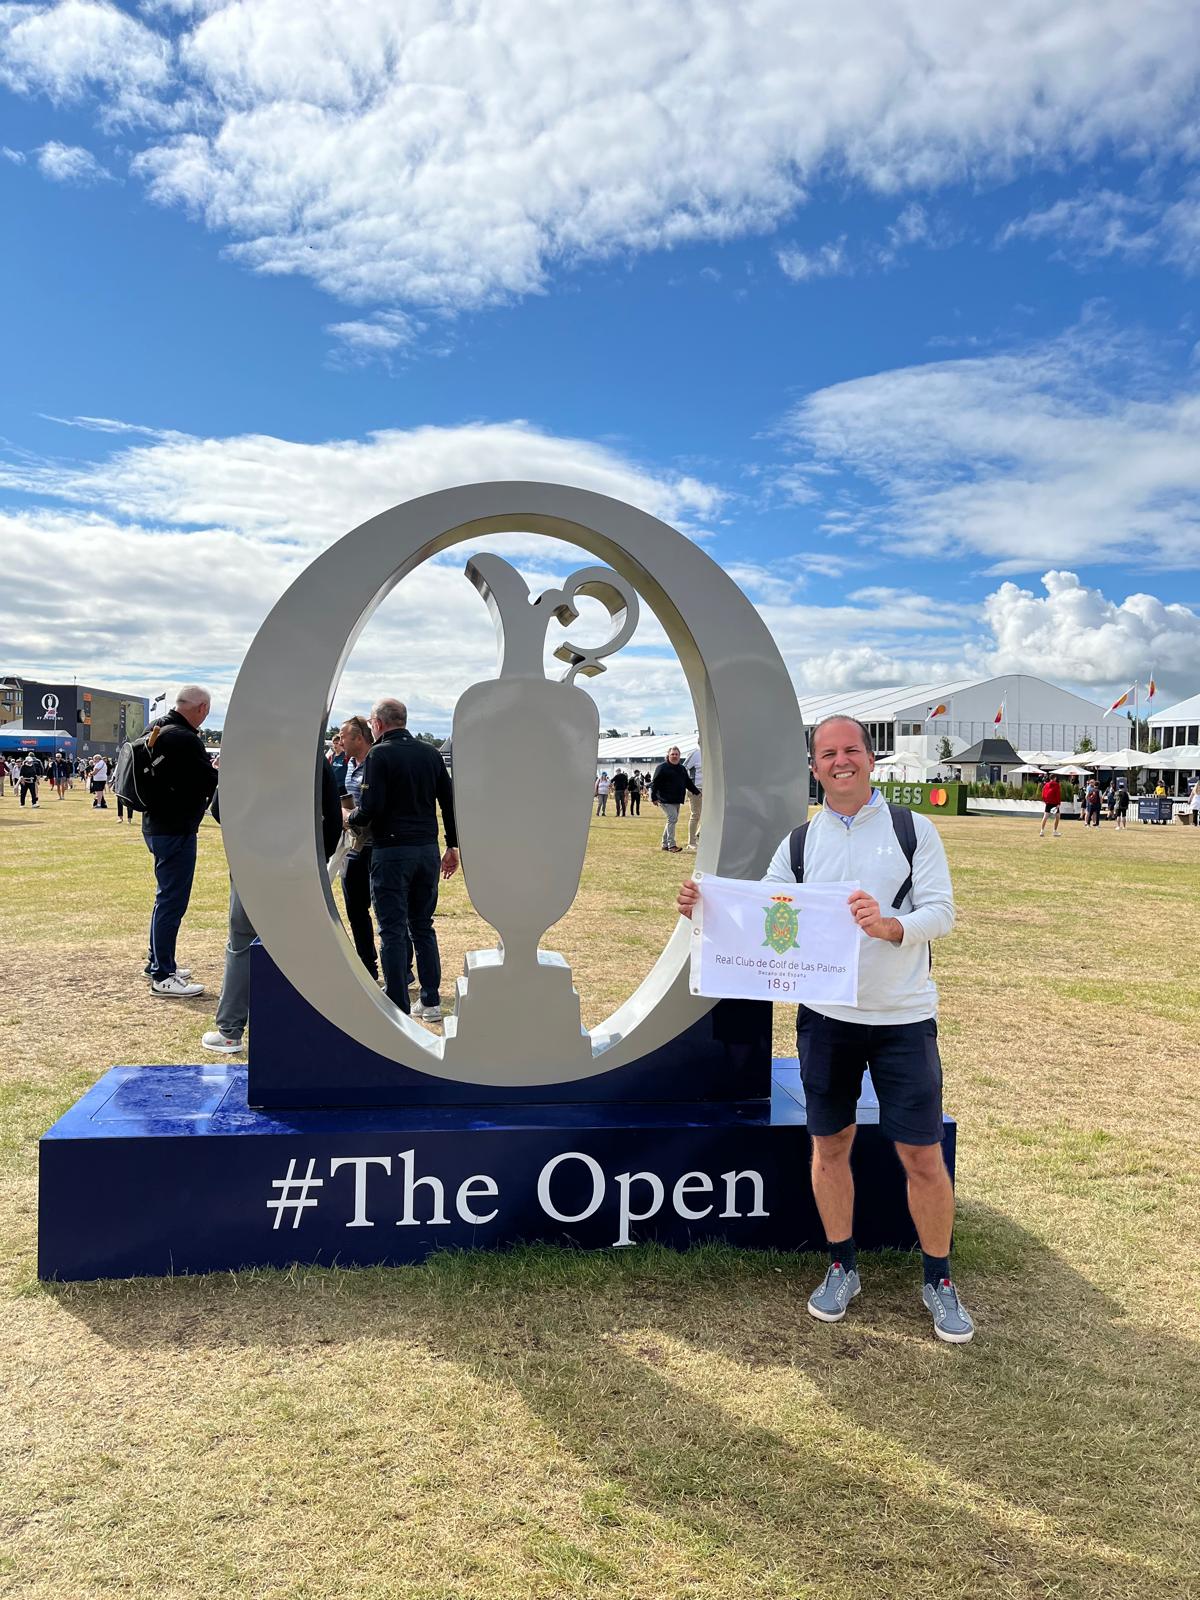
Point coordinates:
[(782, 925)]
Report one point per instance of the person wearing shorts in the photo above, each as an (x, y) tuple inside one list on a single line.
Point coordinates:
[(1051, 805), (99, 782), (900, 909)]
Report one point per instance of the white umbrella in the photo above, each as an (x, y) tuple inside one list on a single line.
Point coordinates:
[(1071, 772), (1180, 758), (1120, 760), (1031, 770)]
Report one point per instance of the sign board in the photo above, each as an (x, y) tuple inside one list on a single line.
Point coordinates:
[(934, 799)]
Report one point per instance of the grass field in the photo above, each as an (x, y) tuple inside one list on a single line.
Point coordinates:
[(636, 1425)]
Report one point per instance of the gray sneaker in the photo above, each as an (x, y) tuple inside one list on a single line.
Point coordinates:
[(828, 1302), (430, 1013), (950, 1319)]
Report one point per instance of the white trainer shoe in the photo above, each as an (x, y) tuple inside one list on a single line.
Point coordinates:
[(215, 1040), (176, 988), (430, 1013)]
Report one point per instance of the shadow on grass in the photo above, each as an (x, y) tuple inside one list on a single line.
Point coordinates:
[(1047, 1457)]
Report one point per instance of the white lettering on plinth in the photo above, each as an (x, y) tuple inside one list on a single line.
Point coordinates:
[(691, 1183), (477, 1188), (625, 1182), (439, 1219), (548, 1171), (360, 1165)]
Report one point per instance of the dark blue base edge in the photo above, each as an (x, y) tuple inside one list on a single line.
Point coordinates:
[(165, 1170)]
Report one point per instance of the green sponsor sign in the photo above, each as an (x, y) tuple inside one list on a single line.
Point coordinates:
[(938, 799)]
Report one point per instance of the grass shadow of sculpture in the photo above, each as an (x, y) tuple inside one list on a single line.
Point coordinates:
[(1051, 1456)]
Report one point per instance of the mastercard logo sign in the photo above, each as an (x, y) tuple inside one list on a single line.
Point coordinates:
[(937, 797)]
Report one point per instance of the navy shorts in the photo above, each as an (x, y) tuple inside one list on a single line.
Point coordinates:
[(905, 1069)]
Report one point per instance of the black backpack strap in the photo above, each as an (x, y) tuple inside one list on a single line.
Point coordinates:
[(906, 838), (796, 850)]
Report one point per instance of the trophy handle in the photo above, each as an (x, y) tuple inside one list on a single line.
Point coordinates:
[(619, 599)]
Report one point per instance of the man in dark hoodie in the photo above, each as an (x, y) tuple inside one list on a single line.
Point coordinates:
[(184, 782), (671, 782)]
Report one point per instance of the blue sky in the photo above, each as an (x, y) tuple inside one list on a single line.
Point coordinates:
[(894, 311)]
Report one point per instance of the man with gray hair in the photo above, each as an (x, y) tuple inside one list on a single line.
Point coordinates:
[(404, 782), (183, 784)]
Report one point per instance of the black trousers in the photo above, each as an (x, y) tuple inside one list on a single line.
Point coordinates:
[(635, 802), (356, 891)]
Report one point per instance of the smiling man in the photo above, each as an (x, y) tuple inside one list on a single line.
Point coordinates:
[(905, 902)]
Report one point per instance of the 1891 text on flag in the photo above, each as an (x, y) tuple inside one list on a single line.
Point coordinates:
[(775, 941)]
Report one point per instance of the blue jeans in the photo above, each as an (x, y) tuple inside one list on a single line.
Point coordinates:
[(404, 891), (174, 868)]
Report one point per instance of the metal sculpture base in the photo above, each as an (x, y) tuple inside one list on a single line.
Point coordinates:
[(488, 1003), (164, 1170), (298, 1059)]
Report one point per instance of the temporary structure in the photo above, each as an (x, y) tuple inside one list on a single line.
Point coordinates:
[(39, 740), (1180, 758), (1118, 760)]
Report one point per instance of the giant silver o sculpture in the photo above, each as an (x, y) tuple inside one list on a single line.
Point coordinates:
[(517, 1022)]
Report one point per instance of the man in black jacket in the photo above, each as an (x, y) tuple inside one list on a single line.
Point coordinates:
[(671, 782), (403, 782), (28, 773), (184, 782)]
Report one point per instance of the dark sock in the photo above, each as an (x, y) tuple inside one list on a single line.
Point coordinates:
[(936, 1268), (846, 1253)]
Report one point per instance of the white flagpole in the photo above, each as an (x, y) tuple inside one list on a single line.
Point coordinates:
[(1136, 687)]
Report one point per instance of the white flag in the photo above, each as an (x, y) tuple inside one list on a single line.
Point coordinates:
[(775, 941)]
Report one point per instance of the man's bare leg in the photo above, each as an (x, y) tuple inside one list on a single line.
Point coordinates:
[(931, 1202), (930, 1196), (833, 1190), (833, 1183)]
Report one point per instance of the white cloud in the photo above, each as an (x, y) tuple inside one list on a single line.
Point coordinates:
[(828, 261), (70, 163), (450, 156), (160, 561), (78, 47), (375, 338), (1079, 635), (17, 157), (1078, 450), (1107, 222), (156, 564), (309, 494)]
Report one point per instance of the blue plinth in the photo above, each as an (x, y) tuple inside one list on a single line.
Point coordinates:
[(298, 1058), (160, 1170)]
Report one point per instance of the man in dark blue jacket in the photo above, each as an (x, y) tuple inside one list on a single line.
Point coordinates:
[(183, 784), (404, 782)]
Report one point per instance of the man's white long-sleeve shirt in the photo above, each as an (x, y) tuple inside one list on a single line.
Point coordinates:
[(894, 982)]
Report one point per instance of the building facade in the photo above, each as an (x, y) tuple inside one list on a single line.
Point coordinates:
[(1178, 724), (99, 720), (1032, 714)]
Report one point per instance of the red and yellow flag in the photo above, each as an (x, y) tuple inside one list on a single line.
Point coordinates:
[(1123, 701), (936, 711), (999, 717)]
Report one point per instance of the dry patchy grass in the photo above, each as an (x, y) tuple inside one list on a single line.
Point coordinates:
[(638, 1424)]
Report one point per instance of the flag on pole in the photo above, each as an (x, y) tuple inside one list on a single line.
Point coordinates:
[(1123, 701), (999, 717), (157, 701), (1150, 688), (936, 711)]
